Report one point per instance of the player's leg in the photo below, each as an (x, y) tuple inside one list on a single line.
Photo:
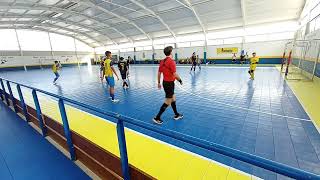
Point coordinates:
[(166, 103), (163, 108), (101, 73), (249, 72), (110, 81), (126, 83), (112, 92), (123, 76), (252, 68), (108, 84), (56, 78), (177, 115)]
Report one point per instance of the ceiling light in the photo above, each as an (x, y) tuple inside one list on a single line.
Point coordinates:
[(42, 22), (57, 15)]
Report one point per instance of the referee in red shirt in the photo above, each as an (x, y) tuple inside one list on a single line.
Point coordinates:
[(167, 67)]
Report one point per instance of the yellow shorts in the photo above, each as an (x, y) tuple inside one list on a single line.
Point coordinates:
[(253, 67)]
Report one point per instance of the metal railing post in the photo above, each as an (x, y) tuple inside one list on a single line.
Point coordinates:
[(23, 105), (316, 63), (4, 92), (123, 150), (66, 128), (1, 94), (39, 113), (11, 97)]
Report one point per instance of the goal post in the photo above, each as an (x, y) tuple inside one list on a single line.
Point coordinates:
[(302, 59)]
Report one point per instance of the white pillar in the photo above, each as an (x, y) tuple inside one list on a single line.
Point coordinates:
[(153, 53), (75, 50), (21, 53), (52, 54)]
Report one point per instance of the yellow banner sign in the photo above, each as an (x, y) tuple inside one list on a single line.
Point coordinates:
[(229, 50)]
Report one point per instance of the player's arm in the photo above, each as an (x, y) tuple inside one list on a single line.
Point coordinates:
[(176, 75), (159, 77), (114, 71), (102, 74), (178, 78)]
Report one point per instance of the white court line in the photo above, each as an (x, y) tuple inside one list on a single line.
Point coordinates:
[(252, 110)]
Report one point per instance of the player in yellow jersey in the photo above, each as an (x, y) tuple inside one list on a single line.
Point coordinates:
[(55, 67), (108, 74), (253, 64)]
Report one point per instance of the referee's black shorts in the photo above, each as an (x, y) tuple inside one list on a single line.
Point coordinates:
[(168, 87)]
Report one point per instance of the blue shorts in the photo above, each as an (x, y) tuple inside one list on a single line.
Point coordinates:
[(110, 81), (57, 74)]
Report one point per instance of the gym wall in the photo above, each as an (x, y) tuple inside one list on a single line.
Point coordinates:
[(270, 51)]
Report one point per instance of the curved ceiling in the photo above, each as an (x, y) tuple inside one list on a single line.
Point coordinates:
[(106, 22)]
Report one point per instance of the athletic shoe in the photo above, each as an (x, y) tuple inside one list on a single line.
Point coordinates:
[(115, 100), (157, 121), (177, 117)]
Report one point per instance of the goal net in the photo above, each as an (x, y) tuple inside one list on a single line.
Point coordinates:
[(300, 59)]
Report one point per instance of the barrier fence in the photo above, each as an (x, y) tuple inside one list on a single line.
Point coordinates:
[(267, 164)]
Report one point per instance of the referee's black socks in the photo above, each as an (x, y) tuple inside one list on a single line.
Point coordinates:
[(174, 108), (162, 109)]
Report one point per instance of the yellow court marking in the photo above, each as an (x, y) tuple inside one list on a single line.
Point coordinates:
[(308, 94), (152, 156), (220, 173), (238, 176)]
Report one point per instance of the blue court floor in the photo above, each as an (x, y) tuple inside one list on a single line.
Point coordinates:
[(25, 154), (220, 104)]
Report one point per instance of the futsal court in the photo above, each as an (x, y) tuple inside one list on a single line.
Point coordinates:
[(220, 104), (160, 89)]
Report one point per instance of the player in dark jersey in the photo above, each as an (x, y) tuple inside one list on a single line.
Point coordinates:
[(199, 62), (123, 68), (193, 61), (101, 68), (242, 57), (128, 63)]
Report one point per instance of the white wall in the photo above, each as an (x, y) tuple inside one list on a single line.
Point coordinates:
[(265, 49), (126, 54), (12, 61), (273, 48), (187, 52), (159, 54)]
